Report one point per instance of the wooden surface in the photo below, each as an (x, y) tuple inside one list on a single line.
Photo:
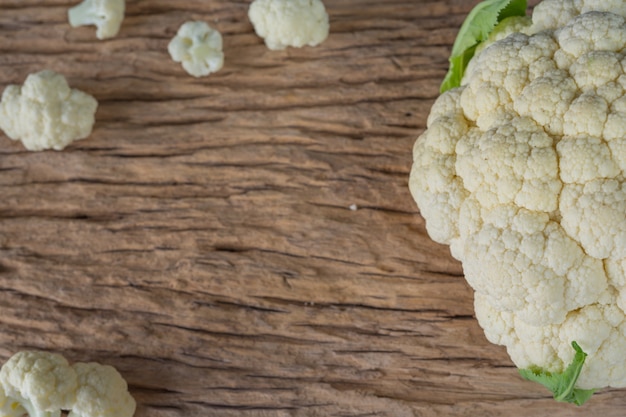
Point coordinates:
[(245, 244)]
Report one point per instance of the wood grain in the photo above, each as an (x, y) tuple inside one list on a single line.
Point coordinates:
[(245, 244)]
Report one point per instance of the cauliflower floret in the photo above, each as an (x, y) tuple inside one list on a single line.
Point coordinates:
[(43, 383), (45, 113), (198, 47), (522, 170), (283, 23), (102, 392), (523, 262), (439, 181), (553, 14), (107, 15), (598, 328)]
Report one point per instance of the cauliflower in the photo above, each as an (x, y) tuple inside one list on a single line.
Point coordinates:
[(45, 113), (43, 384), (107, 15), (283, 23), (102, 392), (521, 170), (198, 47)]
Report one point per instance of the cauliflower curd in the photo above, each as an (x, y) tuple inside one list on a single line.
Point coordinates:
[(522, 172), (295, 23), (43, 384), (106, 15), (198, 47), (45, 113)]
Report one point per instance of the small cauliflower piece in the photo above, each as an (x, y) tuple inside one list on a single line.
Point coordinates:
[(45, 113), (42, 383), (107, 15), (283, 23), (198, 47), (102, 392)]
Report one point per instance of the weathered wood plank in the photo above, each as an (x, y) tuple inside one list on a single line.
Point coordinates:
[(245, 244)]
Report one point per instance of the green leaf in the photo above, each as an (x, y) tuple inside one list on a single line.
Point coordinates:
[(562, 384), (476, 29)]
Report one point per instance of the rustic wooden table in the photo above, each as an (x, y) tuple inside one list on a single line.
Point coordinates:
[(245, 244)]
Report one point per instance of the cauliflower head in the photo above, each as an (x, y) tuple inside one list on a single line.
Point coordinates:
[(106, 15), (522, 171), (198, 47), (45, 113), (283, 23)]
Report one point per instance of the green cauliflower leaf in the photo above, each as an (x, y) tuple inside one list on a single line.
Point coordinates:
[(562, 384), (475, 29)]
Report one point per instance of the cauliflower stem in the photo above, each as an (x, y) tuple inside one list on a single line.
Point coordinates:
[(562, 384)]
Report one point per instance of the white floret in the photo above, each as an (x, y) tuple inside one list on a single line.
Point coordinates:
[(283, 23), (522, 262), (599, 328), (102, 392), (43, 383), (553, 14), (198, 47), (593, 213), (45, 113), (106, 15)]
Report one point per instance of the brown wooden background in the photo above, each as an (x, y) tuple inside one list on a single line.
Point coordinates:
[(202, 239)]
